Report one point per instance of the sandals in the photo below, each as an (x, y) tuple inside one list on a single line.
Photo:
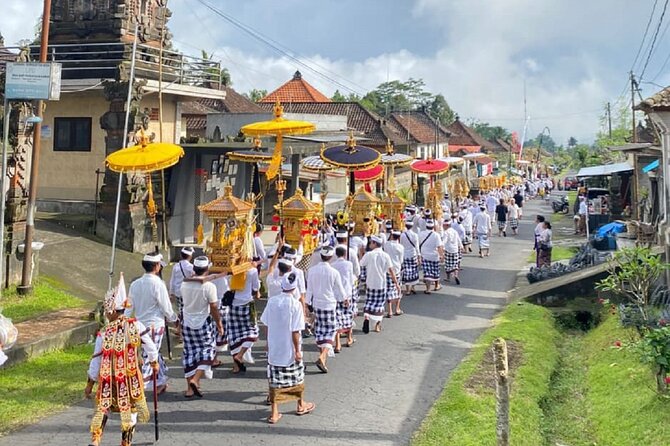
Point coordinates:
[(196, 391), (241, 368), (399, 313), (217, 364), (321, 366), (349, 344), (427, 292), (378, 327), (309, 408), (273, 420)]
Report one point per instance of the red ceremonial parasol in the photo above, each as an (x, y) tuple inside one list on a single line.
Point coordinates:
[(429, 166), (371, 174)]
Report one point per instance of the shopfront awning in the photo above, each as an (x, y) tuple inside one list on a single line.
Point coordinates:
[(651, 166), (604, 170)]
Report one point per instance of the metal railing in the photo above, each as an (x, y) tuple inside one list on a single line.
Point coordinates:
[(104, 60)]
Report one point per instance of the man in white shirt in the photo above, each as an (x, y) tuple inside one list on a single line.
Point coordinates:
[(345, 312), (583, 211), (150, 304), (397, 254), (377, 264), (430, 248), (413, 217), (241, 327), (324, 291), (482, 230), (467, 215), (181, 270), (453, 247), (352, 256), (201, 323), (410, 263), (284, 319), (491, 203), (259, 247)]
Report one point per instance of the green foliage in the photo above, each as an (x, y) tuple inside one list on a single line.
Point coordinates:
[(439, 109), (488, 131), (42, 386), (622, 125), (339, 97), (48, 296), (466, 416), (255, 95), (542, 140), (220, 75)]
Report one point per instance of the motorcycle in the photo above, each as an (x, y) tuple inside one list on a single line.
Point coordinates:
[(562, 205)]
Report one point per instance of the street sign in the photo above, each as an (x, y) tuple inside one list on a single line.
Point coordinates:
[(33, 81)]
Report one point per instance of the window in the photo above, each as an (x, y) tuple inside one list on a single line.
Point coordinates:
[(72, 134)]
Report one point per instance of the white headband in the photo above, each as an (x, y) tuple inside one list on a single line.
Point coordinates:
[(187, 250), (201, 262)]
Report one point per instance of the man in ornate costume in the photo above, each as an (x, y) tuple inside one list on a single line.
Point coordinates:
[(115, 366)]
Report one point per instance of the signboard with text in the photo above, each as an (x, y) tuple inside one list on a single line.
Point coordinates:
[(33, 81)]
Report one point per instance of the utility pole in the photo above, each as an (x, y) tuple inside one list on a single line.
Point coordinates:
[(632, 104), (609, 120), (26, 274)]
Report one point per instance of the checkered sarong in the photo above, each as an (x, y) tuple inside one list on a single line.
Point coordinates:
[(354, 300), (345, 317), (147, 371), (325, 327), (241, 328), (431, 270), (199, 347), (467, 240), (514, 223), (452, 261), (502, 225), (374, 304), (391, 291), (283, 377), (484, 241), (410, 271), (222, 341), (364, 275)]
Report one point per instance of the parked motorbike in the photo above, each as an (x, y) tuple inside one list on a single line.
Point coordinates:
[(562, 205)]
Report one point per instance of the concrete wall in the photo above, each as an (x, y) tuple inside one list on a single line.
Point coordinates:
[(229, 123), (332, 123), (424, 150)]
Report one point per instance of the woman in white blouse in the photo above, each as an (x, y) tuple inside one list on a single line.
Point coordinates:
[(545, 245)]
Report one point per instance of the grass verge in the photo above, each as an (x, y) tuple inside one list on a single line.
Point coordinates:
[(48, 296), (42, 386), (466, 416), (558, 252), (621, 399)]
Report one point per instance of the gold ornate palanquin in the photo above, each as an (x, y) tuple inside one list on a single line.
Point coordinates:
[(231, 247), (434, 199), (362, 209), (392, 207), (301, 219)]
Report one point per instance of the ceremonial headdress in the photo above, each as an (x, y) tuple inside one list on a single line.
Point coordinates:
[(155, 257), (201, 262), (289, 282), (188, 250), (430, 224), (327, 251), (377, 239)]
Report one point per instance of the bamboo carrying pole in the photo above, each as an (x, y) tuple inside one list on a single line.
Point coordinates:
[(502, 391)]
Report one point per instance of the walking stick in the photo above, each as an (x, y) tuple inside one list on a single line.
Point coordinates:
[(167, 339), (155, 389)]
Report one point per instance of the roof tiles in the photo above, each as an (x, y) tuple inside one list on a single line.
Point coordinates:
[(296, 90)]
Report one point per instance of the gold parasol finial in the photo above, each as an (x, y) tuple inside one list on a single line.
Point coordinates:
[(278, 110), (228, 191), (389, 147), (257, 144), (351, 141)]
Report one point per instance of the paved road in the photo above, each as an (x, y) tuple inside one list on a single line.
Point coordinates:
[(377, 392)]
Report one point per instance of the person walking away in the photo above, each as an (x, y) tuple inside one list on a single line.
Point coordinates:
[(150, 304), (513, 214), (345, 309), (115, 366), (518, 199), (377, 264), (410, 263), (241, 327), (284, 319), (431, 251), (466, 216), (491, 203), (452, 252), (201, 323), (482, 230), (181, 270), (397, 254), (324, 291), (546, 244), (501, 217)]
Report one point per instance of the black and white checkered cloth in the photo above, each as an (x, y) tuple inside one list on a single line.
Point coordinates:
[(391, 291), (241, 330), (325, 327), (484, 241), (431, 270), (147, 370), (283, 377), (467, 240), (199, 347), (374, 302), (502, 225), (410, 271), (222, 341), (364, 275), (345, 317), (451, 261), (514, 223)]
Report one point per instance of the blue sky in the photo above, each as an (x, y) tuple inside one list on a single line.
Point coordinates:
[(572, 55)]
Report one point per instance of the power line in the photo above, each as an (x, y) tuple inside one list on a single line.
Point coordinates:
[(644, 37), (263, 39), (653, 40)]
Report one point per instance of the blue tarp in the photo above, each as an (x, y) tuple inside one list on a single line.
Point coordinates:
[(651, 166), (610, 228)]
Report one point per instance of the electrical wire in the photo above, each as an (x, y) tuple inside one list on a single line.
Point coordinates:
[(653, 40), (644, 37)]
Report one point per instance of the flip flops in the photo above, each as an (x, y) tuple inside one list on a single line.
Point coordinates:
[(321, 366), (306, 410), (240, 366), (196, 391), (274, 420)]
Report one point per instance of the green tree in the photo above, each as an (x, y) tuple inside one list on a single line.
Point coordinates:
[(255, 95), (622, 125), (542, 140), (218, 74), (409, 95), (490, 132), (572, 142), (339, 97), (439, 109)]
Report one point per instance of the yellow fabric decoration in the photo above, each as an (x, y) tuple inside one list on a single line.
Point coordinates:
[(238, 281)]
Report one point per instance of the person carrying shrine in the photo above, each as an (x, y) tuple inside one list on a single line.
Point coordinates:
[(431, 251), (410, 263), (377, 264), (324, 291), (115, 367), (397, 254), (284, 319), (345, 313), (201, 323), (150, 304), (183, 269), (241, 327)]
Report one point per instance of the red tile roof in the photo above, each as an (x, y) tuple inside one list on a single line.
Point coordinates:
[(462, 135), (234, 103), (420, 127), (296, 90), (455, 149), (377, 129)]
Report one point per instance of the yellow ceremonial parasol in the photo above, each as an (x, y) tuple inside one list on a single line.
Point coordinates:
[(277, 127)]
